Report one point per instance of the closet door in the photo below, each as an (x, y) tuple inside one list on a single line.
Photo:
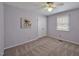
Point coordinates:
[(42, 26)]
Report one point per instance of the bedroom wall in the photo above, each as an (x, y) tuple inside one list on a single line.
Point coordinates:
[(73, 34), (14, 35), (1, 29)]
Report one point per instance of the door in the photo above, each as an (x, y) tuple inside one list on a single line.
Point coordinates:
[(42, 26)]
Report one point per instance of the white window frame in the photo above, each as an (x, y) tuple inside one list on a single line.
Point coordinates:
[(63, 22)]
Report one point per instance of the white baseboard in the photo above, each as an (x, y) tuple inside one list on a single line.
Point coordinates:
[(36, 39), (65, 40), (21, 43)]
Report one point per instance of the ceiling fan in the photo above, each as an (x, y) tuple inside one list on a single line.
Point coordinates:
[(51, 5)]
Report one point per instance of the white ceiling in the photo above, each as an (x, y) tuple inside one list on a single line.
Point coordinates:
[(36, 7)]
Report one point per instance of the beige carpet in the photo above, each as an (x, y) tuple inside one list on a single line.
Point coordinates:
[(44, 47)]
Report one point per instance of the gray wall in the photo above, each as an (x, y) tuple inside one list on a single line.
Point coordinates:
[(14, 35), (1, 29), (73, 34)]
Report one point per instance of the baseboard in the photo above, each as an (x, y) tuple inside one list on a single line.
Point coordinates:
[(38, 38), (21, 43), (65, 40)]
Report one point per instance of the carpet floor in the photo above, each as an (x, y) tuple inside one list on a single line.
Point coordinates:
[(44, 46)]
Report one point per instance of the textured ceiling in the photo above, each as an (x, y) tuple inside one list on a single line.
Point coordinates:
[(36, 7)]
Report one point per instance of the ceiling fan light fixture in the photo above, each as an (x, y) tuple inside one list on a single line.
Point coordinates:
[(50, 6), (50, 9)]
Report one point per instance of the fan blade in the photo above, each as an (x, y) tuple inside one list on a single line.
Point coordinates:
[(44, 6), (59, 4)]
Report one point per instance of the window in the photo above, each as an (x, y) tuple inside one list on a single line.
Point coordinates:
[(63, 23)]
